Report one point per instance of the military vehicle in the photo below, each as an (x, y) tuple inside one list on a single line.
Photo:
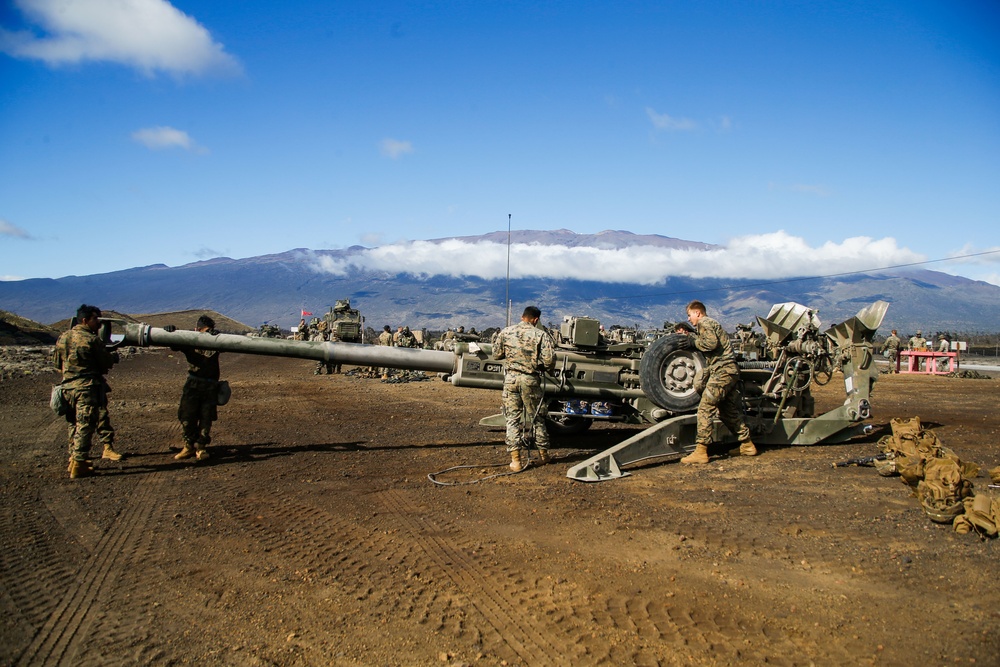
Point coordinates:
[(642, 382), (345, 322), (266, 331)]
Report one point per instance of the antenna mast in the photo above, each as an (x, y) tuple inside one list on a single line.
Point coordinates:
[(507, 304)]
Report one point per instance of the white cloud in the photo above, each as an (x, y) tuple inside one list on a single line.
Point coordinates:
[(662, 121), (991, 278), (394, 148), (207, 253), (978, 263), (149, 35), (9, 279), (161, 137), (371, 238), (8, 229), (765, 257)]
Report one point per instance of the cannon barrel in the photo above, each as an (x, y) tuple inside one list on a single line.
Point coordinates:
[(470, 365), (433, 361)]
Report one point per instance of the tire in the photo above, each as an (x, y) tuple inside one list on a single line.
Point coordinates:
[(565, 425), (667, 374)]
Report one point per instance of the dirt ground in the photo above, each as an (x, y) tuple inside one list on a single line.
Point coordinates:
[(313, 536)]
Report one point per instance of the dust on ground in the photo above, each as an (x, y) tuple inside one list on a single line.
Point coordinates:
[(314, 537)]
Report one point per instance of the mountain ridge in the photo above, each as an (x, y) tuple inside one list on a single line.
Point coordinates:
[(276, 287)]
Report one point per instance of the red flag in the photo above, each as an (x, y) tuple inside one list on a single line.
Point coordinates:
[(305, 312)]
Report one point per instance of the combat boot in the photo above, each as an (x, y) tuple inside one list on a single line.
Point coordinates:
[(543, 456), (79, 469), (110, 454), (699, 455), (202, 454), (516, 463), (185, 453), (748, 449)]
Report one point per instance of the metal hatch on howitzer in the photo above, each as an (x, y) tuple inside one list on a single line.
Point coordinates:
[(643, 382)]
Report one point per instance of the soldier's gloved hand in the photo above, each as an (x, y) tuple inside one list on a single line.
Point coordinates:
[(115, 357), (170, 328), (684, 342)]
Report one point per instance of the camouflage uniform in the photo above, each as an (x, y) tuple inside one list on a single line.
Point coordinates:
[(83, 359), (891, 350), (943, 346), (319, 335), (406, 339), (385, 339), (721, 396), (200, 397), (526, 349), (918, 343)]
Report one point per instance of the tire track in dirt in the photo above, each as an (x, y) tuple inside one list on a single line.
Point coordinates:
[(578, 626), (357, 551), (33, 572), (554, 622), (34, 569), (58, 640), (361, 551), (122, 630), (500, 608)]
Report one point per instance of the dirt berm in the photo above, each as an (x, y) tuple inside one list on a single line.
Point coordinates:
[(314, 537)]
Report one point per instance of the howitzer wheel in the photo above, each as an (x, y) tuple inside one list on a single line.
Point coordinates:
[(667, 374)]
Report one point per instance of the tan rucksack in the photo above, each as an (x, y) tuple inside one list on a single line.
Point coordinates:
[(982, 514), (940, 479)]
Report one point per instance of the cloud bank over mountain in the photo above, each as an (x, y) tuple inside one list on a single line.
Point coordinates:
[(764, 256)]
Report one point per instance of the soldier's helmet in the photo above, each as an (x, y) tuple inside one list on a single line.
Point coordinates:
[(406, 330), (461, 330), (919, 332)]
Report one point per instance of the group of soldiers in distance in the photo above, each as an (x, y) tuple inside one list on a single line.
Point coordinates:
[(893, 344)]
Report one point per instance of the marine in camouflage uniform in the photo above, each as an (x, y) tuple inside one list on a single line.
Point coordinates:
[(527, 350), (200, 396), (406, 338), (721, 396), (918, 343), (83, 359), (385, 339), (891, 350), (322, 333)]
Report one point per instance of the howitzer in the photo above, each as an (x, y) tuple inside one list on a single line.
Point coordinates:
[(643, 382), (861, 461)]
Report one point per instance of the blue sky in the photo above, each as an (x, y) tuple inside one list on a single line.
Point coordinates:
[(816, 137)]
